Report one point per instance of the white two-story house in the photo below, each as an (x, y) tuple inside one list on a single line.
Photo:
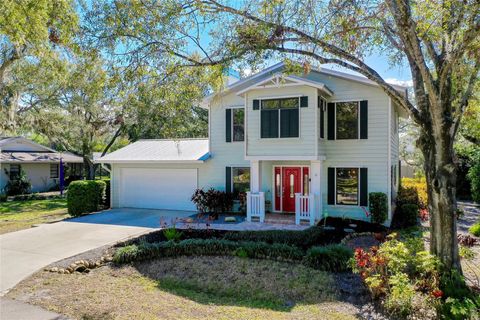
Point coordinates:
[(307, 145)]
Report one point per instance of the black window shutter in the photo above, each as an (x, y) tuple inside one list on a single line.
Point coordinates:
[(363, 187), (289, 123), (331, 186), (322, 117), (331, 120), (304, 102), (364, 119), (228, 125), (256, 104), (228, 179)]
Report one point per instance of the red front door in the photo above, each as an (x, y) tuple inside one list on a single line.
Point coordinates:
[(291, 185)]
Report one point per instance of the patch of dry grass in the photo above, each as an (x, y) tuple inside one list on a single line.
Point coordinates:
[(190, 288)]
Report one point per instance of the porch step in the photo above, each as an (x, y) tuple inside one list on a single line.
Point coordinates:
[(279, 218)]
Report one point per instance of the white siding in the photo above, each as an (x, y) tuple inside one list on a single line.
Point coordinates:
[(394, 149), (37, 173), (371, 153), (302, 146), (211, 173)]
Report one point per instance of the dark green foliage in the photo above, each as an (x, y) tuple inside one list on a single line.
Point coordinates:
[(207, 247), (474, 177), (461, 302), (334, 257), (409, 213), (378, 203), (3, 197), (85, 196), (302, 239), (407, 210), (19, 185)]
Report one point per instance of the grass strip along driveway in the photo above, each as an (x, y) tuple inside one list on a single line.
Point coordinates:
[(18, 215)]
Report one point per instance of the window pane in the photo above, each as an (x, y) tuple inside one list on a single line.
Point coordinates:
[(347, 186), (289, 123), (271, 104), (241, 180), (289, 103), (347, 120), (269, 124), (54, 171), (14, 171), (238, 124)]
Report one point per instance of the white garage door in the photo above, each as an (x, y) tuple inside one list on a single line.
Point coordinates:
[(157, 188)]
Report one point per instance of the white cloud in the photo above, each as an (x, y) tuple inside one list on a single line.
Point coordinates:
[(406, 83)]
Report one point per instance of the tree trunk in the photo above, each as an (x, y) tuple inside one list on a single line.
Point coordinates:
[(440, 171), (89, 167)]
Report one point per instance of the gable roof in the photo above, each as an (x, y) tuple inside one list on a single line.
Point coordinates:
[(164, 151), (261, 76), (21, 150), (5, 141)]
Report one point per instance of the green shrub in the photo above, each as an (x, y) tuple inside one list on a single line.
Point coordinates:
[(3, 197), (407, 195), (302, 239), (85, 196), (19, 185), (474, 177), (475, 229), (378, 203), (172, 234), (207, 247), (334, 257), (409, 213)]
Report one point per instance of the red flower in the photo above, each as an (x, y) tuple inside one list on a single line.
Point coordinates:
[(437, 293)]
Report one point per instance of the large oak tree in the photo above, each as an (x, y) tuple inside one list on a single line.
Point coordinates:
[(438, 39)]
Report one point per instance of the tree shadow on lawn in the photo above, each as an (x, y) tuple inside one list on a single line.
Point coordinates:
[(251, 283), (18, 207)]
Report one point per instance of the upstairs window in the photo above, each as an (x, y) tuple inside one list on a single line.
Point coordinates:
[(347, 120), (280, 118), (238, 120)]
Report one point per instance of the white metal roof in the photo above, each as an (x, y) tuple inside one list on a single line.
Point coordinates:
[(165, 151)]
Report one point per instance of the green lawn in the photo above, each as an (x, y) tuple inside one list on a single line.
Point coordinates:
[(17, 215)]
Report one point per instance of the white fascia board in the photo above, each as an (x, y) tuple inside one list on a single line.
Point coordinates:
[(285, 158), (150, 161)]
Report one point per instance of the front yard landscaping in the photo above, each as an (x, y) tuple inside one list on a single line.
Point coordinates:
[(191, 288), (18, 215)]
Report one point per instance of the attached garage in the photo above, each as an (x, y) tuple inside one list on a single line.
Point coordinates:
[(154, 188), (156, 174)]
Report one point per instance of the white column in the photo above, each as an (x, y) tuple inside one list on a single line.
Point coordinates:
[(316, 187), (255, 176)]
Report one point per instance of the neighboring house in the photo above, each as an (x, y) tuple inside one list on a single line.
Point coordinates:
[(40, 164), (308, 145)]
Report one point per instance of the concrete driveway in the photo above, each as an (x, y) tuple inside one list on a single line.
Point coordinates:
[(24, 252)]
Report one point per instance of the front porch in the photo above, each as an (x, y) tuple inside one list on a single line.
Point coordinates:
[(285, 192)]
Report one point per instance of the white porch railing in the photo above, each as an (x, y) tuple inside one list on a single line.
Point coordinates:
[(256, 206), (304, 208)]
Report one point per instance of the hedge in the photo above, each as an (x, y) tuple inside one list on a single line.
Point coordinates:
[(207, 247), (378, 206), (334, 257), (330, 258), (302, 239), (85, 196)]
